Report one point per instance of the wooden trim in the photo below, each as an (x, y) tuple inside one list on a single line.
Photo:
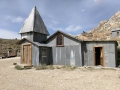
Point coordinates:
[(94, 56), (22, 54), (102, 54), (62, 41), (31, 53)]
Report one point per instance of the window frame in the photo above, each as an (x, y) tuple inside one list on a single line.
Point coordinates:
[(62, 40), (44, 53)]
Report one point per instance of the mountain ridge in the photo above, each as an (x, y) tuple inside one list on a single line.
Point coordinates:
[(103, 31)]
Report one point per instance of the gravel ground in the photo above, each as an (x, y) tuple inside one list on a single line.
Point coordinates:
[(57, 79)]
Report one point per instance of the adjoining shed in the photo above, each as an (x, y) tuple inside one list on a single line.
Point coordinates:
[(61, 48), (100, 53), (116, 32)]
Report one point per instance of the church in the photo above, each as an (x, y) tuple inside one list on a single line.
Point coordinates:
[(62, 48)]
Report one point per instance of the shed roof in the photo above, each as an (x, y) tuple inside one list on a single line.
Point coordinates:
[(34, 23), (63, 34), (77, 38), (116, 29), (35, 43)]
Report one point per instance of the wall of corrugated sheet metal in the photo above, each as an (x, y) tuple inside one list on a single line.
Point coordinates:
[(109, 53), (70, 54), (38, 37)]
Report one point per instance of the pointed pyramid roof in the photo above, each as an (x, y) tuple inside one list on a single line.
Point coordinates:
[(34, 23)]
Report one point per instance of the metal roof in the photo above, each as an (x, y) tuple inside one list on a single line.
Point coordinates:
[(116, 29), (34, 23), (63, 34), (77, 38), (35, 43)]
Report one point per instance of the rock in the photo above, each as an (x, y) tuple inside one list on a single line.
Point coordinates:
[(103, 30)]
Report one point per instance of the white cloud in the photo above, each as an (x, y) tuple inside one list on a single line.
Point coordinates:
[(53, 26), (55, 22), (83, 10), (99, 1), (56, 28), (15, 19), (8, 34), (73, 28)]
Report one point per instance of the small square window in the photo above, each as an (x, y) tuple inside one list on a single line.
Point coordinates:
[(44, 52)]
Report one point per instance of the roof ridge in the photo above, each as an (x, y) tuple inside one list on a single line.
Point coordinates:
[(34, 17)]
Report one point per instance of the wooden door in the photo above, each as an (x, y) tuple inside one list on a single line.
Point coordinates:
[(27, 54)]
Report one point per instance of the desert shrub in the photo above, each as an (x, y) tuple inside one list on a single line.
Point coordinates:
[(41, 67), (90, 68), (18, 67), (44, 66), (50, 67), (68, 67), (58, 67)]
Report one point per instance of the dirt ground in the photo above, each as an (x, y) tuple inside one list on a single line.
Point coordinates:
[(57, 79)]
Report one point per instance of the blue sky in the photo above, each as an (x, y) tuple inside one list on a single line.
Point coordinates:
[(69, 16)]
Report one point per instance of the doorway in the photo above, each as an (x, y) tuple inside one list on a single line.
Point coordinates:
[(98, 56)]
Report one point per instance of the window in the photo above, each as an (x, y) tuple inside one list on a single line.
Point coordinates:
[(44, 52), (59, 40), (117, 33)]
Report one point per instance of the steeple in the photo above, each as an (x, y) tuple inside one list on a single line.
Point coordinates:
[(34, 23)]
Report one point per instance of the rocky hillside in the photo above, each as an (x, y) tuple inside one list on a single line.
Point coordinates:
[(8, 44), (103, 30)]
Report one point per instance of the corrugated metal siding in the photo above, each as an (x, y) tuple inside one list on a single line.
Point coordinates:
[(39, 37), (109, 53), (114, 34), (68, 55), (28, 35), (35, 55), (67, 41)]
